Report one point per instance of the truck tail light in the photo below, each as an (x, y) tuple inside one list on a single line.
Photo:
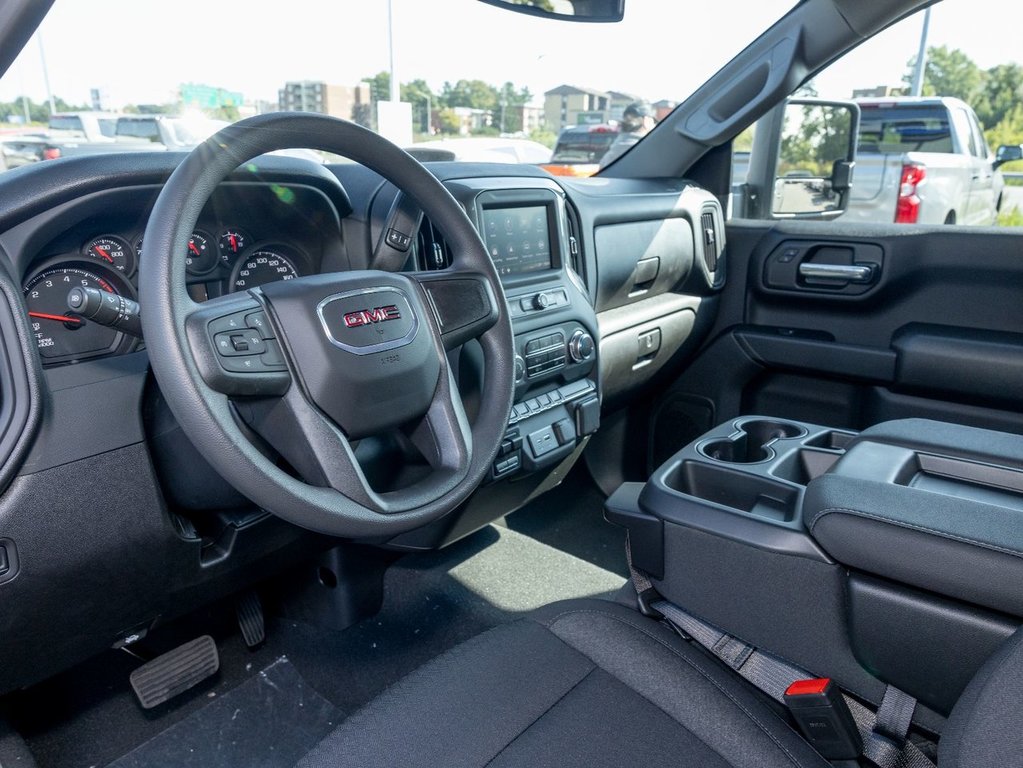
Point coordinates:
[(51, 153), (907, 209)]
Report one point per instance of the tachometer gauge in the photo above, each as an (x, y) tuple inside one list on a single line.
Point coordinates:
[(231, 242), (112, 252), (259, 267), (62, 337), (201, 257)]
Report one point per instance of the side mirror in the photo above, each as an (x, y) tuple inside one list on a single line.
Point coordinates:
[(1008, 153), (803, 154), (601, 11)]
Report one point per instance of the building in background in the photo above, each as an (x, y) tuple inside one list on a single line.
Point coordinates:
[(527, 118), (618, 102), (663, 108), (345, 101), (572, 105)]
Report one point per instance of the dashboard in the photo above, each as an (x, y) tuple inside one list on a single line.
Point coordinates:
[(606, 282)]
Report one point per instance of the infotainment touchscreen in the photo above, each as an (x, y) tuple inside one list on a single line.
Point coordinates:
[(518, 238)]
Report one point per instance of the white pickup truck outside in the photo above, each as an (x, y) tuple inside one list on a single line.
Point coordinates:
[(923, 161)]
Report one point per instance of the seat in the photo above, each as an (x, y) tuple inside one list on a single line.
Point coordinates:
[(579, 683)]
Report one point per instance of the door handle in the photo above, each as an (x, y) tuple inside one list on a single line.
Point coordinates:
[(846, 273)]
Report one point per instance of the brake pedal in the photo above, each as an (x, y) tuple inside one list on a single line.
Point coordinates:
[(250, 618), (163, 678)]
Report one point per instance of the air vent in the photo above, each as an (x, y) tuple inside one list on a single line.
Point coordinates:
[(431, 247), (711, 246), (574, 246)]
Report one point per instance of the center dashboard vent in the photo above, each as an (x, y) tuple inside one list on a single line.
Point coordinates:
[(432, 249)]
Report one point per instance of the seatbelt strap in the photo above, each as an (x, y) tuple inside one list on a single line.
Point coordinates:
[(883, 733)]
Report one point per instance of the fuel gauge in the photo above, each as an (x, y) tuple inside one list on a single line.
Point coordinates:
[(200, 257)]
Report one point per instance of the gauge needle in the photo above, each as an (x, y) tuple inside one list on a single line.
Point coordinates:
[(234, 242), (193, 249), (60, 318), (103, 253)]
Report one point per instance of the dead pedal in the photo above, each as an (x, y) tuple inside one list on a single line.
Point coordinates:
[(250, 618), (176, 671)]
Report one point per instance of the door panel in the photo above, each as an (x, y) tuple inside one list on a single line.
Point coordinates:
[(935, 330)]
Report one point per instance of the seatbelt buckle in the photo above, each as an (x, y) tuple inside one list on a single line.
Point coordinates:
[(824, 718)]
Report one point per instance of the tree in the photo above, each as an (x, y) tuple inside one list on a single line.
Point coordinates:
[(1003, 91), (949, 72), (422, 99), (475, 94), (510, 98), (1009, 129), (448, 122), (37, 112), (379, 86)]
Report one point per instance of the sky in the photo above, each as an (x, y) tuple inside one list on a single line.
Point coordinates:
[(137, 52)]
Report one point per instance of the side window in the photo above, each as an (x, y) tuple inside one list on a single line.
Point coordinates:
[(924, 131), (964, 132), (983, 151)]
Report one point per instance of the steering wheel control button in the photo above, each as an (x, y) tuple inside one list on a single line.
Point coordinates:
[(398, 240), (258, 321), (368, 320), (233, 322), (241, 343)]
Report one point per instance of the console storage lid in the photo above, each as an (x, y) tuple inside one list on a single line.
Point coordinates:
[(933, 505)]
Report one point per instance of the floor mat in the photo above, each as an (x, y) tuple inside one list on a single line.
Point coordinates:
[(433, 601), (571, 518), (269, 721)]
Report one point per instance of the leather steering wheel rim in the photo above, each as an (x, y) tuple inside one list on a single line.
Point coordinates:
[(208, 417)]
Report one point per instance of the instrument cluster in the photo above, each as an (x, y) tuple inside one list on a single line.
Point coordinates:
[(219, 260)]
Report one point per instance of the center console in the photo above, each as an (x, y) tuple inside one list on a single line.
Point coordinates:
[(557, 401), (889, 556), (524, 224)]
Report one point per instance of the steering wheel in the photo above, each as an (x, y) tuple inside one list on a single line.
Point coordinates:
[(314, 364)]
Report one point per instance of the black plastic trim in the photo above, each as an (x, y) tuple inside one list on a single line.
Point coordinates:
[(20, 375)]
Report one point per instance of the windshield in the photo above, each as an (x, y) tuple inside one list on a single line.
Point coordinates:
[(491, 79)]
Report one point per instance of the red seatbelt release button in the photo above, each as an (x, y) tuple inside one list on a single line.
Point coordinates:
[(824, 718)]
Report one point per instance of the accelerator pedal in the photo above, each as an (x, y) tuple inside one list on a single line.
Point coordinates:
[(250, 618), (176, 671)]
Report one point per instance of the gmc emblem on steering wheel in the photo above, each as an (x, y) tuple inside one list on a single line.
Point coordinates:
[(369, 316), (368, 320)]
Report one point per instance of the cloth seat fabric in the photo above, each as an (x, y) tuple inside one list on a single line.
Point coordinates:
[(579, 683)]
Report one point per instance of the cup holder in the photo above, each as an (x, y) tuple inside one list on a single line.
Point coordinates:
[(751, 441)]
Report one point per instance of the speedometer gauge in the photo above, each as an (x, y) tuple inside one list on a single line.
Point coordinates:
[(58, 335), (260, 267)]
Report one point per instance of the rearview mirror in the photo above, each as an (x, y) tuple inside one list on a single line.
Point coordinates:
[(566, 10)]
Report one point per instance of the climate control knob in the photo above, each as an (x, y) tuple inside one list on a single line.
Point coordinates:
[(520, 369), (580, 346), (541, 301)]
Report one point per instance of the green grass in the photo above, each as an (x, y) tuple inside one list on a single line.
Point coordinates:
[(1010, 218)]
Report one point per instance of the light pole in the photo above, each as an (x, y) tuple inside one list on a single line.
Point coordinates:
[(46, 72), (390, 51), (921, 58)]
